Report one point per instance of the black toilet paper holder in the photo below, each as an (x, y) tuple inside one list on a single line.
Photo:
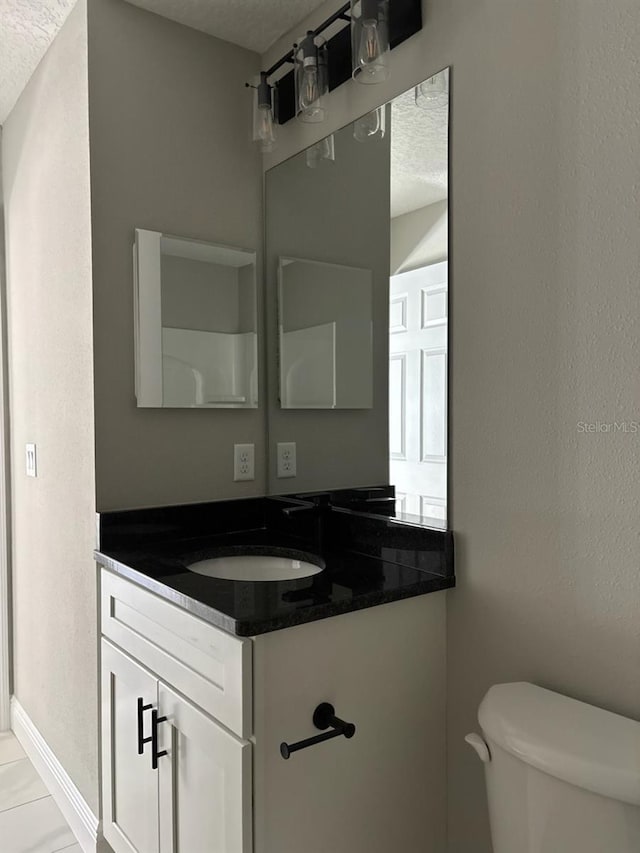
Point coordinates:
[(324, 717)]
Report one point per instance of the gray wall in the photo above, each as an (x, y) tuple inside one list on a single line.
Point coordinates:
[(170, 152), (545, 330), (337, 213), (46, 188)]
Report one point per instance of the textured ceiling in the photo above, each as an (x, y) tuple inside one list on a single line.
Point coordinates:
[(254, 24), (419, 154), (419, 148), (27, 28)]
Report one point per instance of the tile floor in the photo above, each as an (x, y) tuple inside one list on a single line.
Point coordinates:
[(30, 822)]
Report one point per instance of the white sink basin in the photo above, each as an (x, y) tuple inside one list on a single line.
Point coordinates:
[(252, 567)]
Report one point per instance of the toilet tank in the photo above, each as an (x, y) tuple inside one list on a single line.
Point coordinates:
[(562, 776)]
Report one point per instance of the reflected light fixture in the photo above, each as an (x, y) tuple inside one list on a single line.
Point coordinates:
[(264, 128), (322, 151), (311, 77), (373, 125), (433, 92), (370, 40)]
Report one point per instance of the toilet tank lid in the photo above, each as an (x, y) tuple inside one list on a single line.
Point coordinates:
[(586, 746)]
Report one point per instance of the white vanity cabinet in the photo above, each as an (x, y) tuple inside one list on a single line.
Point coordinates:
[(130, 793), (197, 797), (179, 689), (229, 702)]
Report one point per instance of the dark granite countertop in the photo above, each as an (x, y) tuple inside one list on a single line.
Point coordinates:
[(368, 562)]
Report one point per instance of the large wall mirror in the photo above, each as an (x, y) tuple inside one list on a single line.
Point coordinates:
[(357, 303), (195, 323)]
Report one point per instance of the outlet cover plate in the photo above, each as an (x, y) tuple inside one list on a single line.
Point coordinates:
[(286, 456), (244, 467)]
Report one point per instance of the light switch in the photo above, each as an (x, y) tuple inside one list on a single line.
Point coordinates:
[(32, 465)]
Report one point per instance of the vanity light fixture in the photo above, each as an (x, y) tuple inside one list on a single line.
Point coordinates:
[(311, 77), (264, 129), (433, 92), (370, 40), (360, 35)]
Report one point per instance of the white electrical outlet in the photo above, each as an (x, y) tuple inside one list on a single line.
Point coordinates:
[(244, 467), (286, 459), (31, 460)]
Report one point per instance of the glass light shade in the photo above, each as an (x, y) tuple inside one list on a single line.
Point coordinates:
[(264, 126), (311, 77), (433, 92), (370, 40), (373, 125), (321, 151)]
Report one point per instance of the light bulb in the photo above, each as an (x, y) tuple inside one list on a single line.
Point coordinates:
[(266, 131), (310, 77), (309, 92), (369, 43), (370, 40), (321, 151), (372, 56), (370, 126), (433, 92)]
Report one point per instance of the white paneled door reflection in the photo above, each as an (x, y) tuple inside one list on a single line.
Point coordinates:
[(418, 389)]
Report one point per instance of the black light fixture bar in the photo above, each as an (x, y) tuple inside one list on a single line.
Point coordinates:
[(405, 19), (288, 57), (341, 14)]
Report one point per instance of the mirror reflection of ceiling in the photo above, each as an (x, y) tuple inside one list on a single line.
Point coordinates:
[(254, 24), (419, 154)]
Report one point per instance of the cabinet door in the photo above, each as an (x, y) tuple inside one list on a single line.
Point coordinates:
[(205, 782), (130, 785)]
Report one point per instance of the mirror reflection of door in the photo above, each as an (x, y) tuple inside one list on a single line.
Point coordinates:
[(418, 390), (418, 299)]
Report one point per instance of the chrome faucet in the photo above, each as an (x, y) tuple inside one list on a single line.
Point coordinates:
[(289, 510)]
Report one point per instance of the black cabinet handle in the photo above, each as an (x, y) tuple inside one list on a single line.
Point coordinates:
[(324, 717), (155, 755), (141, 738)]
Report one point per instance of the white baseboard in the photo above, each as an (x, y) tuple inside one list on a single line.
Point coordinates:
[(82, 821)]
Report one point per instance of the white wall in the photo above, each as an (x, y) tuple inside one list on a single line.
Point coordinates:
[(5, 485), (170, 151), (419, 238), (545, 330), (45, 168)]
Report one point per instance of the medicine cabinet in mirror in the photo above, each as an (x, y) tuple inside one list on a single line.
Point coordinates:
[(357, 305), (195, 323)]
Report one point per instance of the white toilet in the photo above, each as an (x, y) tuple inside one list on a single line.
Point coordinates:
[(562, 776)]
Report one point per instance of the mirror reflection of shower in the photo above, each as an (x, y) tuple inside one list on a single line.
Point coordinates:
[(196, 323), (418, 322)]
